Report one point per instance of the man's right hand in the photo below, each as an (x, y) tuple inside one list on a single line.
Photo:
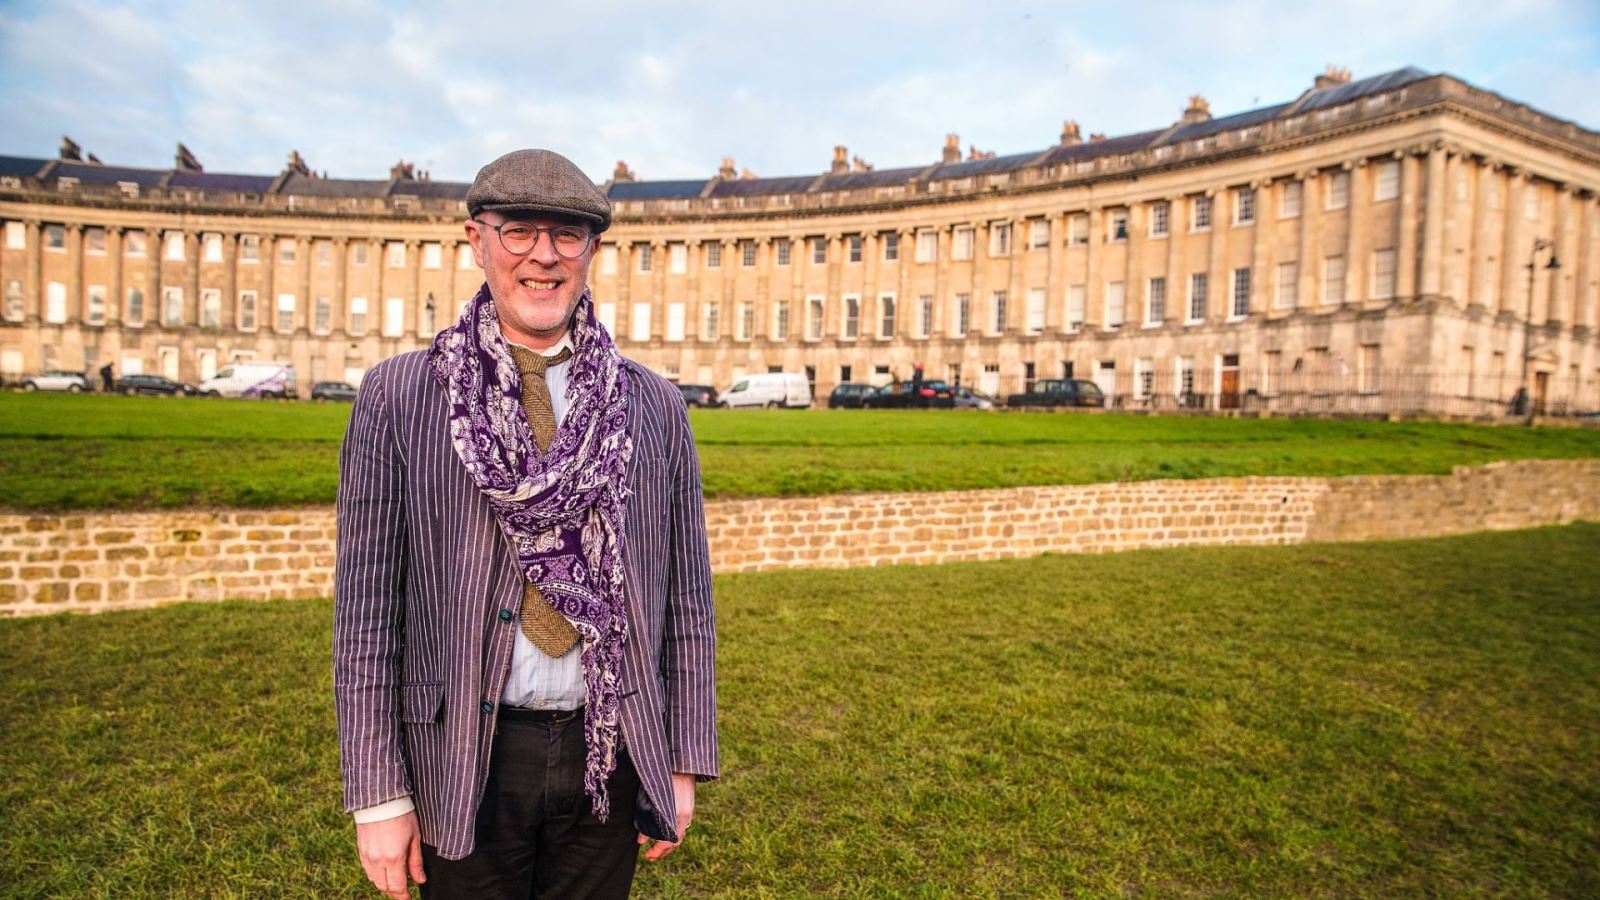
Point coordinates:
[(389, 850)]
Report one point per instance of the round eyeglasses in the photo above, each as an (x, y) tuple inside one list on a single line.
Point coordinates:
[(519, 238)]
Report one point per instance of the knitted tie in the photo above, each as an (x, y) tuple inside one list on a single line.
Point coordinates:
[(547, 629)]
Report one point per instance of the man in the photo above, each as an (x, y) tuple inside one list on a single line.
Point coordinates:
[(523, 631), (107, 383)]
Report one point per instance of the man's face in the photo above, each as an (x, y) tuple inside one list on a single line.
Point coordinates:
[(535, 292)]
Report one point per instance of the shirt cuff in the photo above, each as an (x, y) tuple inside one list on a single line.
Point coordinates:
[(392, 809)]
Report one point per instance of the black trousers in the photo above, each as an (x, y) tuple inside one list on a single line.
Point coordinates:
[(536, 833)]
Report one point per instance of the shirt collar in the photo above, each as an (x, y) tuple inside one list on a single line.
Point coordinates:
[(564, 344)]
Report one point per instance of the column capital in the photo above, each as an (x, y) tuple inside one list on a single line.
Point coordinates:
[(1308, 174), (341, 241), (75, 227), (763, 241)]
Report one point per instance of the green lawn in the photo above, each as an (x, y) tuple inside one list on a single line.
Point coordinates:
[(1413, 719), (66, 452)]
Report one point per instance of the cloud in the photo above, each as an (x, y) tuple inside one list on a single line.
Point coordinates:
[(355, 84)]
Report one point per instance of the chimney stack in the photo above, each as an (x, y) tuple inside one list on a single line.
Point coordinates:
[(841, 160), (186, 161), (1199, 110), (622, 174), (952, 148), (1070, 134), (728, 172), (70, 149), (296, 164), (857, 164), (1332, 76)]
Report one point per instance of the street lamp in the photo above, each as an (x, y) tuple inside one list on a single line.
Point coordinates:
[(1524, 397)]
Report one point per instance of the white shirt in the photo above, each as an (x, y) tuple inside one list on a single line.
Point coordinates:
[(536, 681)]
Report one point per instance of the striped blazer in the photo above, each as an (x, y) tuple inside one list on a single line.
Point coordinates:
[(421, 650)]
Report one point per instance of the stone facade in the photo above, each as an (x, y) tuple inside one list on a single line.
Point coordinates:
[(1369, 241), (94, 562)]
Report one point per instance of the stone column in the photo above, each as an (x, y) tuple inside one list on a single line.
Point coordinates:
[(830, 290), (449, 250), (33, 274), (1177, 279), (75, 291), (414, 308), (377, 303), (1307, 290), (1435, 214), (114, 282), (1405, 251), (1586, 296), (1218, 299), (766, 261), (724, 296), (154, 303), (1262, 274), (192, 246), (904, 304), (799, 259), (943, 297), (227, 316), (867, 327), (1514, 249), (1055, 278), (1560, 307), (305, 304), (267, 298), (1359, 243), (1133, 292), (1016, 291), (1480, 291), (982, 292)]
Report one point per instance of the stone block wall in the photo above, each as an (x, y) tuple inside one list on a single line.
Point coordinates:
[(101, 561)]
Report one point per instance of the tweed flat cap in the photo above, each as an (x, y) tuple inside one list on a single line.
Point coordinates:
[(538, 181)]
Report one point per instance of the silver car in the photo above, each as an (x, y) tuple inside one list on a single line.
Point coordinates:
[(56, 380), (967, 398)]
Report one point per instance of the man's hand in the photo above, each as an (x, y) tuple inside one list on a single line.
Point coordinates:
[(388, 849), (683, 797)]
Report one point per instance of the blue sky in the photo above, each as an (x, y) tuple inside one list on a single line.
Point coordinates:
[(672, 88)]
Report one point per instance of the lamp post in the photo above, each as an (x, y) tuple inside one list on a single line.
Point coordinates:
[(1526, 397)]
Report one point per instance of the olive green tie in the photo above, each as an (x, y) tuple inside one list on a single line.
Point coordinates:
[(547, 629)]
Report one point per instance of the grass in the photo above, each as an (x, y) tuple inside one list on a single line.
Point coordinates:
[(1410, 719), (85, 452)]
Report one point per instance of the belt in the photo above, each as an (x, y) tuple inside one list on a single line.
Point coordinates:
[(539, 716)]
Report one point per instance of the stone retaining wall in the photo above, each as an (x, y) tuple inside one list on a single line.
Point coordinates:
[(100, 561)]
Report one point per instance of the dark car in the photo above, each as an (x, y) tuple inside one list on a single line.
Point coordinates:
[(698, 394), (1060, 392), (333, 390), (900, 396), (849, 395), (153, 385)]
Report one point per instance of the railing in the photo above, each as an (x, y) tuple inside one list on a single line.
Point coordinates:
[(1381, 392)]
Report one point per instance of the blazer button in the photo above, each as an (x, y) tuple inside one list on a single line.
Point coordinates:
[(486, 707), (505, 615)]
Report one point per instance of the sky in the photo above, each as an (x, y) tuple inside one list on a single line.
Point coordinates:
[(672, 88)]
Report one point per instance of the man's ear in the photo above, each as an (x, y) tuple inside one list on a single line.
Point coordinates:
[(475, 238)]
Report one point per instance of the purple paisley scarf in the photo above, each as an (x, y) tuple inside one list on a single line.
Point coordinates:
[(563, 509)]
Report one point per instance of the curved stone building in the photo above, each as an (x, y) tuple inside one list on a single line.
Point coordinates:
[(1382, 244)]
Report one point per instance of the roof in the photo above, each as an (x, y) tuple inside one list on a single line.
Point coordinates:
[(984, 166), (21, 166), (1225, 123), (222, 181), (656, 190), (1126, 143), (763, 187), (1354, 90), (448, 190), (849, 181), (306, 186), (93, 173)]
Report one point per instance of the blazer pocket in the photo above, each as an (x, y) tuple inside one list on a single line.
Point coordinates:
[(421, 702)]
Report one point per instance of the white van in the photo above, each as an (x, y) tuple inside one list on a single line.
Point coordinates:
[(252, 379), (770, 389)]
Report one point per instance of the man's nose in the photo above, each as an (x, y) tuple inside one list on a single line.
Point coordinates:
[(544, 249)]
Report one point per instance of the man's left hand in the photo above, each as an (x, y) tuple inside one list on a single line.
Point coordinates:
[(683, 797)]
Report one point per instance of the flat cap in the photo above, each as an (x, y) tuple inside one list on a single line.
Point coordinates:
[(538, 181)]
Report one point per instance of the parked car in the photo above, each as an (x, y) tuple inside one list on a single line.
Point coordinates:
[(900, 396), (699, 395), (1060, 392), (57, 380), (849, 395), (153, 384), (333, 390), (967, 398), (265, 380), (770, 389)]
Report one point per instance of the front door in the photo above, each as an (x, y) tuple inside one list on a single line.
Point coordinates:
[(1541, 391), (1229, 389)]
